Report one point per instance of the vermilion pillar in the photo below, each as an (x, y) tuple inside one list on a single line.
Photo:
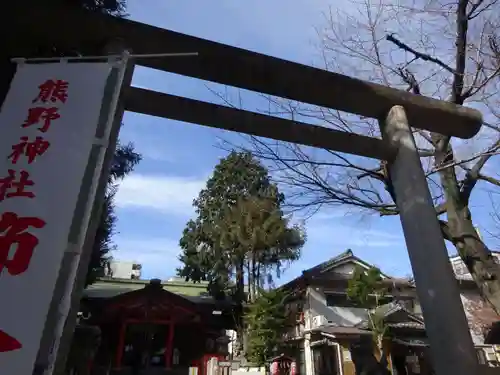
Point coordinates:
[(121, 344), (169, 345)]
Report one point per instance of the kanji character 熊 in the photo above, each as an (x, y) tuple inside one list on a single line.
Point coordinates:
[(14, 230), (37, 114), (10, 188), (29, 149), (53, 90)]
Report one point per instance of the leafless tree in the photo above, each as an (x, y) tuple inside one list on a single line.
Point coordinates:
[(445, 49)]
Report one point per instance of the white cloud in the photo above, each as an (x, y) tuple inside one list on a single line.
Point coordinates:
[(169, 194), (349, 233)]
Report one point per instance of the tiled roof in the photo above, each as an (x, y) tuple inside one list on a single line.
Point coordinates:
[(109, 288), (341, 331), (414, 321), (332, 262), (412, 325)]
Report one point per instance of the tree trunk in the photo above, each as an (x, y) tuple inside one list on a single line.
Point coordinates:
[(240, 281), (249, 278), (254, 277), (240, 296), (461, 232), (259, 282), (476, 256)]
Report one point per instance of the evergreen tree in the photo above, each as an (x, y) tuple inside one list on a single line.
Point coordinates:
[(124, 161), (240, 234), (366, 289), (266, 319), (255, 230), (209, 242)]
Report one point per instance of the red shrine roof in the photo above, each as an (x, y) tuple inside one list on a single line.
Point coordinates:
[(139, 300)]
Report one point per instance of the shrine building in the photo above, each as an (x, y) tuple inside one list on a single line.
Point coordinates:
[(173, 325)]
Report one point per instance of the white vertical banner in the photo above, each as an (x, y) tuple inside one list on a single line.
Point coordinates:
[(82, 215), (48, 124)]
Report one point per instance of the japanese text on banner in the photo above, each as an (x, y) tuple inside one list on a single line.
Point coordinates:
[(17, 241)]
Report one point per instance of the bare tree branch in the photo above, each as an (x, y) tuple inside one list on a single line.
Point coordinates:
[(473, 174), (491, 180), (449, 51), (419, 55)]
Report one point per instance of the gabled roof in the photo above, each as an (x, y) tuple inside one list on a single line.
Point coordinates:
[(321, 274), (393, 307), (106, 287), (411, 320), (342, 258), (154, 302), (151, 298)]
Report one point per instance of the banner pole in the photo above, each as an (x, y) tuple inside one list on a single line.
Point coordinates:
[(61, 319), (74, 250)]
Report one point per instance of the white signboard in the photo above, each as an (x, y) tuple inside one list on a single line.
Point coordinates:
[(48, 124)]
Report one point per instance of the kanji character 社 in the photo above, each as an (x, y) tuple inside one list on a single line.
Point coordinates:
[(10, 188)]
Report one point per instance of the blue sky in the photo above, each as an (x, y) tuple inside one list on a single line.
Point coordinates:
[(154, 202)]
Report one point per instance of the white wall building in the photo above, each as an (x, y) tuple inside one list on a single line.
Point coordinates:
[(119, 269)]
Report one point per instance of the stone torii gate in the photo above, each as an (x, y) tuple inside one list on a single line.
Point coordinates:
[(451, 345)]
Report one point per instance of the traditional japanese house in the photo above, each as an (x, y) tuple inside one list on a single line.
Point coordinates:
[(165, 326), (328, 333)]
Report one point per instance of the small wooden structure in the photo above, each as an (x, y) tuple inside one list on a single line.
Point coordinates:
[(154, 328)]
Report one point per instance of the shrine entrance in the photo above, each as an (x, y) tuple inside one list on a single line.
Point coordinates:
[(68, 28), (145, 345), (154, 331)]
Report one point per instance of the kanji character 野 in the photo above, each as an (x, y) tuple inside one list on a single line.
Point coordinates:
[(29, 149), (8, 343), (10, 188), (37, 114), (53, 90), (13, 231)]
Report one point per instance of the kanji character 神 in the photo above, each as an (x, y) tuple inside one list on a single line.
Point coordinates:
[(29, 149), (37, 114), (14, 232), (53, 90), (10, 188)]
